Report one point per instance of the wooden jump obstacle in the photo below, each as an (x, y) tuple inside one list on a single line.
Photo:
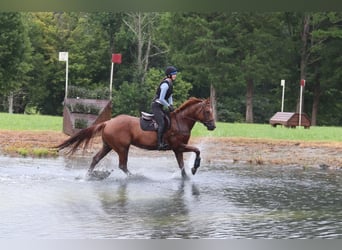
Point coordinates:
[(290, 120), (81, 113)]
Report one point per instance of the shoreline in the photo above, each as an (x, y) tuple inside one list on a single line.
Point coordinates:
[(231, 150)]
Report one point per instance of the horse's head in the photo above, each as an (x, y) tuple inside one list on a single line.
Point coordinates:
[(206, 115), (196, 109)]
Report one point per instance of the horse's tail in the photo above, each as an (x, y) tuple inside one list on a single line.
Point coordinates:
[(83, 137)]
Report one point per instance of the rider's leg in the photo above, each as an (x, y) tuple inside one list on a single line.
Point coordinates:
[(159, 117), (161, 144)]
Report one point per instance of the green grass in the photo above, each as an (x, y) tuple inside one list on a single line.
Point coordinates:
[(30, 122), (266, 131), (238, 130)]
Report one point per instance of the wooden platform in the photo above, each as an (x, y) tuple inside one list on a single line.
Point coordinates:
[(290, 120)]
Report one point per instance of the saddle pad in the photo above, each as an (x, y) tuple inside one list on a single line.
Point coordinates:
[(147, 116)]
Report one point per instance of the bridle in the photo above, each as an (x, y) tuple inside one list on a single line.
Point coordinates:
[(207, 121)]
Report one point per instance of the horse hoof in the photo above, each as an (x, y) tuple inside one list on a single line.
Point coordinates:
[(193, 170), (98, 175), (184, 175)]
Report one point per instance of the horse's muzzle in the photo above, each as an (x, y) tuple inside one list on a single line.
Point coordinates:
[(210, 125)]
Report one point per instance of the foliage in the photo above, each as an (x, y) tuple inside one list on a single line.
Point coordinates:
[(45, 90), (15, 53), (88, 93), (244, 55), (81, 123), (84, 108)]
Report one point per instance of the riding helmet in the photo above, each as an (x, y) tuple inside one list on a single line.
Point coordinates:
[(170, 70)]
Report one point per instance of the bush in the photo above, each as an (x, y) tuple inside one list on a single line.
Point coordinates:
[(84, 108), (85, 93), (81, 123)]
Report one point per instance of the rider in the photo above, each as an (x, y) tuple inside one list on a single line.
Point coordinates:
[(163, 98)]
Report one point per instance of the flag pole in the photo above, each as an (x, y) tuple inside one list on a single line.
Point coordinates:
[(300, 106), (302, 84), (282, 83), (66, 77), (64, 57), (111, 82)]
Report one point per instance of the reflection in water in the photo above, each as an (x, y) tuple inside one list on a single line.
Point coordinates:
[(161, 215), (42, 198)]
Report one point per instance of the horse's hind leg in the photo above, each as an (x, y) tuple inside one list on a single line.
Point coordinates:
[(180, 161), (123, 158), (102, 153)]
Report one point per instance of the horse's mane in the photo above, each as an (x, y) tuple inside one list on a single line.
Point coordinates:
[(191, 101)]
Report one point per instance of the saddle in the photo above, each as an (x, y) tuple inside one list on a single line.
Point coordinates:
[(148, 123)]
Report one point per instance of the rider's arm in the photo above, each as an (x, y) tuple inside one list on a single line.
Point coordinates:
[(170, 100), (163, 89)]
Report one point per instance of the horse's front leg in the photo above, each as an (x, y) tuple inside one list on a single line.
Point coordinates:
[(197, 162), (187, 148)]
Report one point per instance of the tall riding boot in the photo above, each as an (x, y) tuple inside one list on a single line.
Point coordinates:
[(160, 143)]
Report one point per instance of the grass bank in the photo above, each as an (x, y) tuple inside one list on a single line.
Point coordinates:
[(30, 122), (266, 131), (17, 145), (236, 130)]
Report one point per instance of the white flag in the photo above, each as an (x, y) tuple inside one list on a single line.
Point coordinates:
[(63, 56)]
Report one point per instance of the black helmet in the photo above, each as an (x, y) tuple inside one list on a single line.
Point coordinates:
[(171, 70)]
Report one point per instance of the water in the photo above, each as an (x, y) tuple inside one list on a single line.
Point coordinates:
[(50, 198)]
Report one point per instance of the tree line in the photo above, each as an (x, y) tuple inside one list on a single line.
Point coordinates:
[(242, 56)]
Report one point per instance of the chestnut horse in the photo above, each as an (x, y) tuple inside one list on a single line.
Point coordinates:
[(123, 130)]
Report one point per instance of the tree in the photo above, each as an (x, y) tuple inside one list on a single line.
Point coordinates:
[(258, 42), (242, 55), (89, 55), (238, 53), (190, 43), (43, 90), (49, 34), (325, 34), (318, 32), (15, 51), (143, 26)]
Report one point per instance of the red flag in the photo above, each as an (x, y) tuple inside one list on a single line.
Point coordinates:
[(116, 58), (302, 82)]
